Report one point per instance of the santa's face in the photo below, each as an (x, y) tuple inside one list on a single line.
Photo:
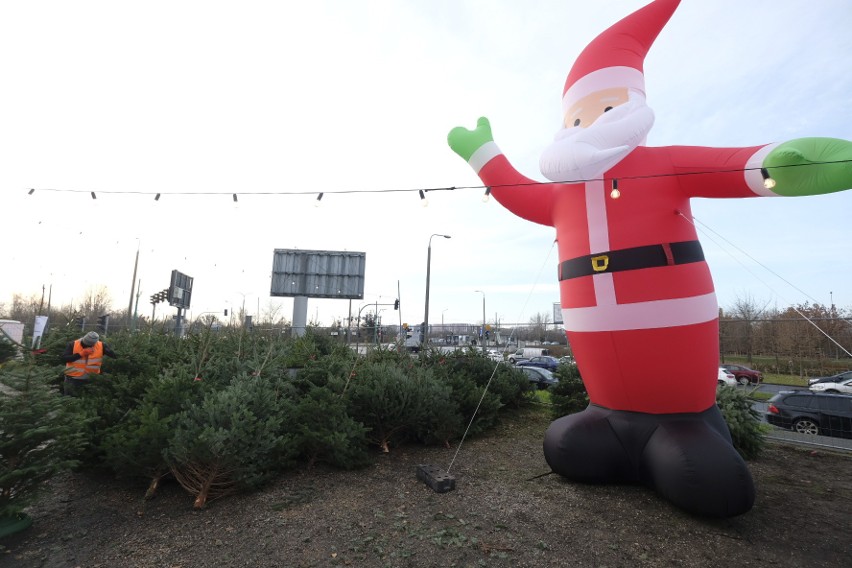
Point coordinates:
[(599, 131), (587, 110)]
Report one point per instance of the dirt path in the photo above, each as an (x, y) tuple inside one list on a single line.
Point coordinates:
[(497, 516)]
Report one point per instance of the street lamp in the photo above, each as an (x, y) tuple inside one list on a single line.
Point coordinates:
[(428, 271), (483, 319)]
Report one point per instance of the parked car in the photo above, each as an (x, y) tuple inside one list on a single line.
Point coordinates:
[(567, 360), (726, 378), (527, 353), (832, 379), (811, 413), (495, 355), (744, 375), (844, 386), (545, 362), (542, 378)]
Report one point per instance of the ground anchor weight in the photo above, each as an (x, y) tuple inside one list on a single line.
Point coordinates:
[(436, 478)]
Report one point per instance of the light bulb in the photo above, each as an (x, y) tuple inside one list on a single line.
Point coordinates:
[(615, 194), (768, 182)]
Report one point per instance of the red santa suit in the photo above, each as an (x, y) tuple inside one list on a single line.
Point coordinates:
[(633, 281)]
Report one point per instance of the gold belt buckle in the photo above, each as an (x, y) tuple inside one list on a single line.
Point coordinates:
[(600, 263)]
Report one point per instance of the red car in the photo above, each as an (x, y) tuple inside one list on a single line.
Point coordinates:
[(744, 375)]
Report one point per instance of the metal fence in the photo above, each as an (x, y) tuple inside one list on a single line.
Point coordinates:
[(825, 442), (781, 435)]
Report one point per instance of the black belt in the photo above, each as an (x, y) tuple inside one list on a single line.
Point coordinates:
[(650, 256)]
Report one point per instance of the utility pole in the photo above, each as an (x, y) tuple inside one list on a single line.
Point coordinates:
[(130, 322), (136, 306)]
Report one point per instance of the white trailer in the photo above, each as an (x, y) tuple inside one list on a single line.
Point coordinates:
[(12, 331)]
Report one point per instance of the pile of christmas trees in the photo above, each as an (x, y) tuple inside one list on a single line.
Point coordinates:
[(222, 412)]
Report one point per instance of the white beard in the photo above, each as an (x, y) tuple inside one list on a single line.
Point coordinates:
[(579, 154)]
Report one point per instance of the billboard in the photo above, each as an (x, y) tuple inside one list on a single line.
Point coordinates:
[(180, 290), (318, 274)]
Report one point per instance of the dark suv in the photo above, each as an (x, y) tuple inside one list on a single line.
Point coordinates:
[(812, 413), (744, 375)]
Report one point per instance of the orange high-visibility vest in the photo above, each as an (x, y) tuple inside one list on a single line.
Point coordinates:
[(86, 366)]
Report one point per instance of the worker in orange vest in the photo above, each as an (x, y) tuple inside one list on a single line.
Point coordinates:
[(83, 358)]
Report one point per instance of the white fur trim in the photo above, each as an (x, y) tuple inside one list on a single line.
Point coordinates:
[(483, 155), (596, 215), (753, 177), (606, 78), (655, 314)]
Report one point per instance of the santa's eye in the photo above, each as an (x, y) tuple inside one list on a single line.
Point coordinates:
[(577, 122), (607, 109)]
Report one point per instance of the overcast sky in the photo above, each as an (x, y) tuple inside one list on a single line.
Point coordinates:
[(278, 101)]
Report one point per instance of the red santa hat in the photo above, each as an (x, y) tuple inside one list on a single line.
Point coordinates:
[(615, 58)]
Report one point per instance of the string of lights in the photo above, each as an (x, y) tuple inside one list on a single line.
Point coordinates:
[(769, 182)]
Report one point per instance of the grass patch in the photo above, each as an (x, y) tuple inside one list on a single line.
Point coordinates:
[(542, 396), (786, 380)]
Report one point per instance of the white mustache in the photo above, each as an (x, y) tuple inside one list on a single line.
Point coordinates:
[(579, 154)]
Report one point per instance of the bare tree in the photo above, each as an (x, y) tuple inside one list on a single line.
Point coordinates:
[(538, 325), (741, 321), (24, 309), (272, 314), (95, 302)]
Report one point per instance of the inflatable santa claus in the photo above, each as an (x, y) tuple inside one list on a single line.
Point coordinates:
[(633, 280)]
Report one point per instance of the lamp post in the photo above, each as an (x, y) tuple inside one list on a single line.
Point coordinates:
[(483, 320), (428, 272)]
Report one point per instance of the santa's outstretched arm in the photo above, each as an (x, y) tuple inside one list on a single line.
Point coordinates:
[(520, 195), (804, 166)]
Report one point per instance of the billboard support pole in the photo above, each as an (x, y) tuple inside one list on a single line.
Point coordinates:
[(300, 315), (179, 323)]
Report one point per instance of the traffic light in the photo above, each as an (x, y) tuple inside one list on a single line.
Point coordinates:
[(226, 312), (103, 323), (396, 304)]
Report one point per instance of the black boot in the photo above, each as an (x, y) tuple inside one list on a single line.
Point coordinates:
[(686, 457)]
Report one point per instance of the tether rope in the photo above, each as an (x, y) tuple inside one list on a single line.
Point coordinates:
[(704, 228), (496, 364)]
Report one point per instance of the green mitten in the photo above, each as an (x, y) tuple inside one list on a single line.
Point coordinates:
[(810, 166), (465, 142)]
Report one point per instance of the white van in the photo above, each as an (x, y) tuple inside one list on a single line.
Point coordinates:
[(527, 353)]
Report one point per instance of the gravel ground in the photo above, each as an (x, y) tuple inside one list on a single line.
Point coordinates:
[(500, 514)]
